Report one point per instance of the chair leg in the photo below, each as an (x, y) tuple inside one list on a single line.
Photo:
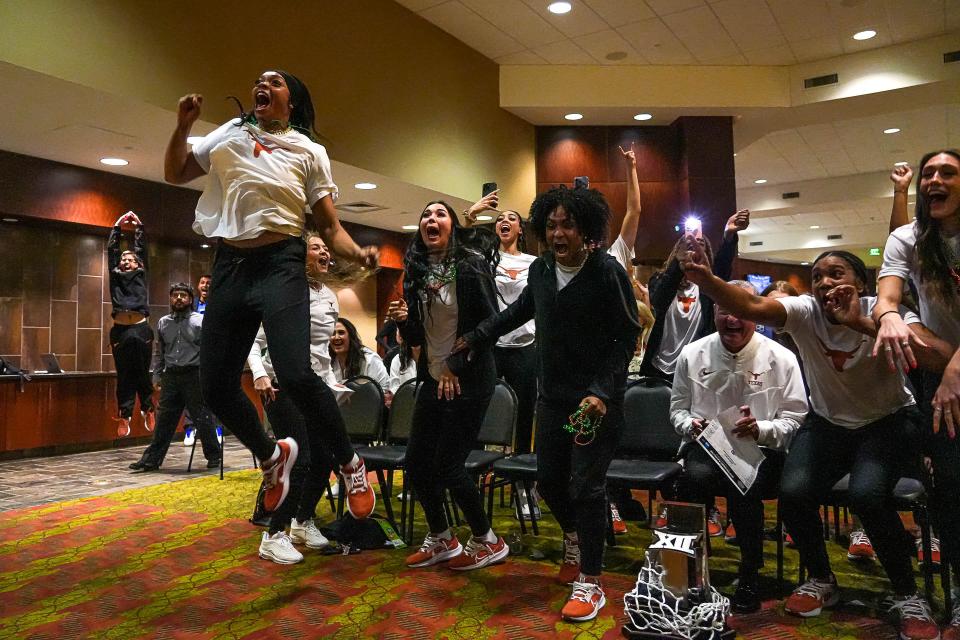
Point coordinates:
[(924, 522), (385, 495), (836, 524), (515, 500), (193, 449), (779, 534), (490, 492), (221, 457), (611, 538), (650, 496), (947, 590), (528, 486)]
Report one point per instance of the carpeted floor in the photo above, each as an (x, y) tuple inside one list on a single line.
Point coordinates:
[(180, 560)]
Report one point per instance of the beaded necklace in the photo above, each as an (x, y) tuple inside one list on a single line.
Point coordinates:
[(583, 426), (439, 276)]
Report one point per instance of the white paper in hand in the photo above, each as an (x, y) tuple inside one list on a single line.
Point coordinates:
[(738, 458)]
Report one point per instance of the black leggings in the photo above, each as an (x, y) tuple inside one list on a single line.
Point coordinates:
[(132, 347), (945, 454), (518, 366), (308, 479), (269, 285), (573, 479), (876, 456), (180, 390), (441, 437)]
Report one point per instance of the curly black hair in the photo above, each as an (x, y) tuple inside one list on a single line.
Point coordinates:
[(932, 251), (587, 207), (464, 242)]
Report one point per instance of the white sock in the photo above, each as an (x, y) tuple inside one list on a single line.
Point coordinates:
[(273, 458), (490, 536), (443, 535)]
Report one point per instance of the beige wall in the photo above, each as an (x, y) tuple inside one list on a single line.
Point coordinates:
[(393, 93)]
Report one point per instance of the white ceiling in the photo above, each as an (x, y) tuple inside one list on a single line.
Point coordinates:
[(684, 32)]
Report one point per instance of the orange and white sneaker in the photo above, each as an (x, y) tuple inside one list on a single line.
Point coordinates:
[(434, 550), (479, 553), (934, 552), (730, 535), (361, 498), (619, 526), (661, 520), (810, 598), (860, 546), (149, 419), (952, 630), (123, 427), (570, 567), (585, 602), (714, 527), (276, 475), (914, 618)]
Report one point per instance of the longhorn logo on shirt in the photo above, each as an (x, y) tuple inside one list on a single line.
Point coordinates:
[(755, 382), (512, 273), (686, 301), (838, 356), (261, 145)]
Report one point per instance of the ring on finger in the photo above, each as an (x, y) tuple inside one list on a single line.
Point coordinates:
[(905, 343), (887, 347)]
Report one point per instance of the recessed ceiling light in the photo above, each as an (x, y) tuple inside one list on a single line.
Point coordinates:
[(484, 218), (559, 7), (760, 181), (814, 226), (10, 220), (892, 130), (864, 35), (204, 246), (365, 185), (114, 162), (194, 139), (902, 163), (734, 155), (804, 263), (410, 227), (643, 116), (573, 116)]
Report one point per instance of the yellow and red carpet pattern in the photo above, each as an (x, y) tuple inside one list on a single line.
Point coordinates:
[(180, 560)]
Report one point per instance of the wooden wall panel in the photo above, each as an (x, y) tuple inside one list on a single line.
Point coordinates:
[(36, 294), (36, 342), (566, 152), (63, 329), (11, 315), (89, 307)]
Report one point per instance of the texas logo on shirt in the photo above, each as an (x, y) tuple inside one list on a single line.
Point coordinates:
[(511, 273), (686, 301), (261, 145), (753, 379), (838, 356)]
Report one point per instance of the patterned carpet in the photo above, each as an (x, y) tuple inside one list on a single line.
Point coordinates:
[(180, 561)]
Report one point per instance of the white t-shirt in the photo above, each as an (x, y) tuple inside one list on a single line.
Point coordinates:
[(900, 259), (372, 367), (511, 280), (399, 375), (680, 326), (623, 253), (848, 386), (440, 327), (259, 182)]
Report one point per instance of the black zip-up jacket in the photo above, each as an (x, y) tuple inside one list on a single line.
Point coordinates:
[(663, 289), (586, 332), (128, 289), (476, 301)]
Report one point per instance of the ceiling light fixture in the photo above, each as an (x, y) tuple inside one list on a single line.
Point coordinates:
[(864, 35), (902, 163), (484, 218), (559, 7), (410, 227), (760, 181), (365, 186), (574, 116), (194, 139), (643, 116), (814, 226), (804, 263), (10, 220), (204, 246), (114, 162), (892, 130)]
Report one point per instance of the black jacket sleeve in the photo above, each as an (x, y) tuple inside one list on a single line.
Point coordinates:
[(477, 300), (664, 287), (623, 325), (411, 329), (723, 261), (140, 246), (113, 248), (520, 311)]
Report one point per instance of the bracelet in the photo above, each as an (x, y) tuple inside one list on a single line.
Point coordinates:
[(880, 317)]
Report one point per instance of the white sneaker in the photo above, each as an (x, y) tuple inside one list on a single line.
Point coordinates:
[(307, 533), (279, 548), (190, 437)]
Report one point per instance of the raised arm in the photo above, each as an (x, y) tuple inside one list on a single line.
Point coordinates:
[(900, 213), (631, 220), (723, 261), (179, 165), (140, 243), (336, 237), (489, 202)]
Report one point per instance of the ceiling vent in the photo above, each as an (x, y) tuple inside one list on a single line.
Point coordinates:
[(820, 81), (835, 236), (790, 195), (951, 56), (756, 243), (359, 207)]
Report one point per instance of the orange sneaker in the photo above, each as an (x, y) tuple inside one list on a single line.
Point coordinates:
[(585, 602), (934, 552), (570, 567), (952, 630), (276, 476), (730, 535), (914, 618), (361, 498), (619, 526), (661, 521), (480, 553), (860, 546), (149, 419), (433, 551), (810, 598), (123, 427), (714, 528)]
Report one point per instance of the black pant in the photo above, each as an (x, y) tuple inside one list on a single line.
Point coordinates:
[(309, 476), (572, 479), (518, 366), (702, 479), (441, 437), (269, 285), (179, 390), (945, 454), (875, 456), (132, 347)]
